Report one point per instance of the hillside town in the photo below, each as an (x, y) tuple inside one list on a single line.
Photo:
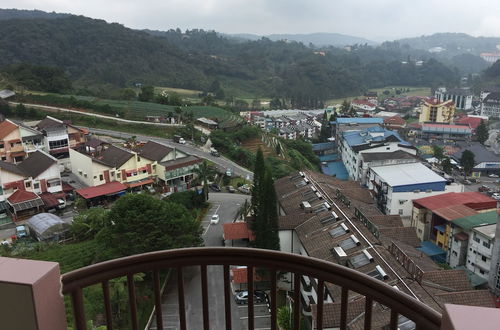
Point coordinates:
[(249, 165)]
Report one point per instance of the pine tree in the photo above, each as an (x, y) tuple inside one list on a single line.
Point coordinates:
[(482, 132)]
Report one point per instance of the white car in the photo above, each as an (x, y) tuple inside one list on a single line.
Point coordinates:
[(493, 175), (182, 141), (496, 196), (215, 219)]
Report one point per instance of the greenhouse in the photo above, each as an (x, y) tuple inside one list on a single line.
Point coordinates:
[(47, 226)]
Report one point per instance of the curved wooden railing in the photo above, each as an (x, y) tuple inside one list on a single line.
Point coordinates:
[(325, 272)]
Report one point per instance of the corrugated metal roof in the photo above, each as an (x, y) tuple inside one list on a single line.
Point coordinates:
[(480, 219), (446, 200)]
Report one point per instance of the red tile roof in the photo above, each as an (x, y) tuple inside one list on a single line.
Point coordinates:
[(240, 275), (472, 199), (101, 190), (22, 196), (455, 212), (237, 230), (473, 122), (394, 120), (6, 127)]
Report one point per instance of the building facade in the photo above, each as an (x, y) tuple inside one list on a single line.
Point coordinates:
[(462, 97), (434, 111)]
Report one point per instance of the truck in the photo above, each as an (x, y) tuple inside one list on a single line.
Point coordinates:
[(179, 139)]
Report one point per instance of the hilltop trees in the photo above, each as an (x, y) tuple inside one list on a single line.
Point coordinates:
[(139, 223), (264, 206)]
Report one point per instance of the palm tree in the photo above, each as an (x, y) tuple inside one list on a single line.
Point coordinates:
[(204, 171)]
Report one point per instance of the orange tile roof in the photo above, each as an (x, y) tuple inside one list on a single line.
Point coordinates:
[(6, 127), (237, 230), (240, 275)]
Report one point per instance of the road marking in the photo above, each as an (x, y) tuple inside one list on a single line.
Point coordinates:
[(256, 317), (209, 223)]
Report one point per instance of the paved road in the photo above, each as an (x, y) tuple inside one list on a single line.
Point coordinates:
[(222, 162), (91, 114), (226, 205)]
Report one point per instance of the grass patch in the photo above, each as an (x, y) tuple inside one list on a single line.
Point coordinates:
[(414, 91)]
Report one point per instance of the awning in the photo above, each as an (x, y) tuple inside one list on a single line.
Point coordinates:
[(440, 228), (66, 187), (106, 189), (140, 183), (27, 204)]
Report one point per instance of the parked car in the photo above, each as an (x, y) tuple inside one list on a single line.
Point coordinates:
[(242, 297), (215, 219), (179, 139), (484, 188), (21, 231), (231, 189), (496, 196), (214, 187), (62, 204), (229, 172), (150, 189), (165, 195), (244, 189), (493, 175)]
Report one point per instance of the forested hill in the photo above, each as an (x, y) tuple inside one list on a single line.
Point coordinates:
[(454, 43), (96, 53)]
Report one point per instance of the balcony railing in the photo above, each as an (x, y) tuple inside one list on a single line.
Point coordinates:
[(349, 280)]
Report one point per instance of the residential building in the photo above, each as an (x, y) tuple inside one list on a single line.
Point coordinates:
[(462, 97), (479, 254), (112, 164), (372, 159), (364, 106), (434, 111), (355, 142), (334, 220), (471, 120), (432, 216), (153, 163), (490, 104), (30, 186), (461, 237), (396, 186), (60, 136), (485, 161), (494, 274), (11, 146), (171, 168), (17, 140)]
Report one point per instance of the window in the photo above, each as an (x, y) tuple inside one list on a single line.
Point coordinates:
[(486, 244), (138, 158), (53, 182), (118, 175), (95, 176), (454, 253), (27, 184), (84, 175), (36, 185), (2, 146), (481, 272), (58, 144), (483, 258), (101, 177), (477, 240), (400, 211), (4, 158)]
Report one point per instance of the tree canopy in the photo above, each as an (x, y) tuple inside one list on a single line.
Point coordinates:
[(467, 161), (140, 223), (482, 132)]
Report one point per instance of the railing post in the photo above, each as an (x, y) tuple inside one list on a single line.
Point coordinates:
[(31, 295)]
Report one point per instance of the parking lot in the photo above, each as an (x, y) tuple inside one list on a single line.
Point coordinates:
[(262, 318)]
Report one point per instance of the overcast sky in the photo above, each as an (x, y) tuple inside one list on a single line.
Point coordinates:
[(373, 19)]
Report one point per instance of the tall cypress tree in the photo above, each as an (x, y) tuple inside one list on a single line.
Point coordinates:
[(482, 132), (258, 178), (272, 240)]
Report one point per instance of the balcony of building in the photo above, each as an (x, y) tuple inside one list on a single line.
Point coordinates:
[(42, 305)]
